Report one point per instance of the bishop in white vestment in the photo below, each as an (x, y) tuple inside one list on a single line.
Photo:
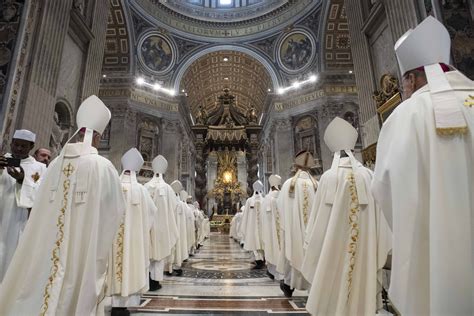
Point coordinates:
[(294, 204), (165, 234), (348, 239), (190, 223), (271, 226), (180, 251), (424, 179), (17, 194), (130, 258), (60, 264), (253, 225)]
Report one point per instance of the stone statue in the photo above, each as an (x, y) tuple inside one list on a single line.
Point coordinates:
[(201, 116), (252, 115), (58, 136), (79, 5)]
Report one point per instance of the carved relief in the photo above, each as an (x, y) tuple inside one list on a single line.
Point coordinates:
[(147, 139), (60, 128)]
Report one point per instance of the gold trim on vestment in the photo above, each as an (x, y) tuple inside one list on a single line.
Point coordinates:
[(68, 170), (354, 231), (449, 131), (305, 203), (119, 255)]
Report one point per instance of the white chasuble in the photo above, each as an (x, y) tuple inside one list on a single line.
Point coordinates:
[(181, 249), (190, 226), (60, 264), (347, 245), (15, 200), (164, 233), (253, 226), (130, 258), (424, 183), (270, 219), (294, 204)]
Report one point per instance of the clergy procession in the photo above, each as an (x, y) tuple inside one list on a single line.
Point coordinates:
[(78, 238)]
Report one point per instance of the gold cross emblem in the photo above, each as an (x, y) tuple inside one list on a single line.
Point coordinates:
[(469, 101), (68, 170), (35, 177)]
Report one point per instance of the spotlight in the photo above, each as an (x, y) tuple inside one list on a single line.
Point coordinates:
[(104, 76), (156, 86), (140, 81), (350, 71), (226, 78), (225, 59), (312, 78), (296, 85), (281, 91), (183, 91), (269, 90), (171, 92)]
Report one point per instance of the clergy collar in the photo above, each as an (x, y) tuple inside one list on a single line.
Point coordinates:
[(78, 149), (457, 80), (126, 178)]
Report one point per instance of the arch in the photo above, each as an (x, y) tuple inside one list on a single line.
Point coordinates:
[(276, 79)]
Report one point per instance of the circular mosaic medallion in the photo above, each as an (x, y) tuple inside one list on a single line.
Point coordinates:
[(156, 53), (222, 266), (296, 51)]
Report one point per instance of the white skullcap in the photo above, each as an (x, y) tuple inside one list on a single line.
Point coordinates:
[(25, 135)]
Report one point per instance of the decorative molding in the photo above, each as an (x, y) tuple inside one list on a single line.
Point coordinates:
[(263, 25)]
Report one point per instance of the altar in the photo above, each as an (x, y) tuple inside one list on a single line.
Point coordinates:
[(221, 223), (226, 156)]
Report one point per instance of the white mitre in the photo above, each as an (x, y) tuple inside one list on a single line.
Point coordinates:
[(196, 205), (176, 186), (159, 165), (428, 45), (92, 115), (339, 136), (274, 180), (24, 134), (183, 195), (133, 161), (257, 186)]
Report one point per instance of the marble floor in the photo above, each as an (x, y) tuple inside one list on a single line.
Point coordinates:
[(219, 280)]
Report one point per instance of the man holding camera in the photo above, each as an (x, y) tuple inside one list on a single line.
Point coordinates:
[(20, 175)]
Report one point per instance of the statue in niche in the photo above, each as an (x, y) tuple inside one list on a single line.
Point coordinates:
[(79, 5), (252, 115), (201, 116), (229, 123), (58, 136)]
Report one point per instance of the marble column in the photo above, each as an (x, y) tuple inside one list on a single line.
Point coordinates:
[(401, 16), (93, 65), (201, 178), (284, 147), (252, 162), (363, 70)]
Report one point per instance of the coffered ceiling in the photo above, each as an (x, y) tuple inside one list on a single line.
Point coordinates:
[(246, 78)]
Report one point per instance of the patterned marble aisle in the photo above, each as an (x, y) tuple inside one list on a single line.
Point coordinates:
[(219, 280)]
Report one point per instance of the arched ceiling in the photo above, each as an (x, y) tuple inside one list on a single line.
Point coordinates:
[(245, 77), (230, 11)]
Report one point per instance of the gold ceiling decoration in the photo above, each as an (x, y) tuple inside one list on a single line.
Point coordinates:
[(245, 77)]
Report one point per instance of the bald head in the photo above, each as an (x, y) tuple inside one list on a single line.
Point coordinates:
[(43, 155)]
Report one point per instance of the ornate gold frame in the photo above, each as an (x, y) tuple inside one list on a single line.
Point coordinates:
[(387, 108)]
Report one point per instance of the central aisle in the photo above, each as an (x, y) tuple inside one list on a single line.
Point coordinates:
[(219, 280)]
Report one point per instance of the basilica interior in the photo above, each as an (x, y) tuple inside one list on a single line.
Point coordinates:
[(228, 91)]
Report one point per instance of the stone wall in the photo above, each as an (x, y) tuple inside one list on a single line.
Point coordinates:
[(62, 44), (374, 27)]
